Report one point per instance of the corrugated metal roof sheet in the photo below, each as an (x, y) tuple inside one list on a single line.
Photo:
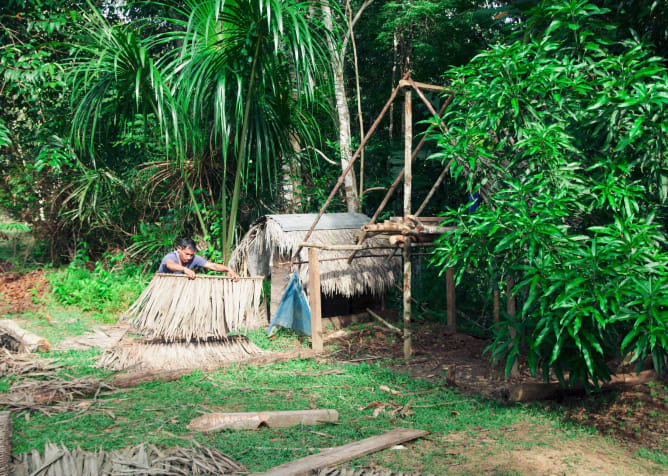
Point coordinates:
[(329, 221)]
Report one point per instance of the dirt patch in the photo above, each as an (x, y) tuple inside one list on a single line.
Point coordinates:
[(20, 292), (636, 417)]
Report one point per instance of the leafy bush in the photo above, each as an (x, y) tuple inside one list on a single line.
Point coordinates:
[(106, 289), (564, 136)]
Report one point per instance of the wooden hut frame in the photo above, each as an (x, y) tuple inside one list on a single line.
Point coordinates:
[(269, 249), (410, 230)]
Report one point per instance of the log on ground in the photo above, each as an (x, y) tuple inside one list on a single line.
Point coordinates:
[(16, 339), (527, 392), (356, 449), (253, 420)]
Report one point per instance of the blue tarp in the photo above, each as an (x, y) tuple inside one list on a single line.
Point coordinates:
[(293, 311)]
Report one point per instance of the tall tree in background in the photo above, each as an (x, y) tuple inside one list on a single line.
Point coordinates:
[(226, 88)]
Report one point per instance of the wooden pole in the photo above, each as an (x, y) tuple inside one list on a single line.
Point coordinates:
[(408, 180), (408, 339), (314, 299), (394, 185), (450, 291), (511, 309), (497, 307), (339, 182)]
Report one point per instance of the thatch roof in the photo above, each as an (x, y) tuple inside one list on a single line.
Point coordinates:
[(273, 239)]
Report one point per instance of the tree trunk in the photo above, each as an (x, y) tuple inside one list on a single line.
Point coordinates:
[(343, 114)]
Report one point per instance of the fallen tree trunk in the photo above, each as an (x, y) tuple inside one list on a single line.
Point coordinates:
[(526, 392), (16, 339), (254, 420)]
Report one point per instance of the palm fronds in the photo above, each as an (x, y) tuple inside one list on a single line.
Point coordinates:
[(175, 308)]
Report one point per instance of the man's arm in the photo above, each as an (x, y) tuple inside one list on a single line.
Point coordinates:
[(174, 266), (221, 268)]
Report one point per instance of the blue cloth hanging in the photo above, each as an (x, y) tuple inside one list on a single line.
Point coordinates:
[(293, 311)]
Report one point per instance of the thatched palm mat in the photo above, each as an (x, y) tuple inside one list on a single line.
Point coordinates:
[(173, 307), (140, 354), (141, 459)]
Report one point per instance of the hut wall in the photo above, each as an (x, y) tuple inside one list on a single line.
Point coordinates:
[(278, 284)]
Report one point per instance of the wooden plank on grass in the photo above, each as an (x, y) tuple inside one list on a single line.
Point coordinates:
[(356, 449)]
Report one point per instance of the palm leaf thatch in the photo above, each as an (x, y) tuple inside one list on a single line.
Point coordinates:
[(175, 308), (142, 355), (140, 459), (274, 239)]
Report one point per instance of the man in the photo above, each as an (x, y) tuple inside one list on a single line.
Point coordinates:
[(184, 259)]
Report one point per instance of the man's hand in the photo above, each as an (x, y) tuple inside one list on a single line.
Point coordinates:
[(189, 272), (233, 275)]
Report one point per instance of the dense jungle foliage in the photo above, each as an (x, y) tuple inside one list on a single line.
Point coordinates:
[(127, 125)]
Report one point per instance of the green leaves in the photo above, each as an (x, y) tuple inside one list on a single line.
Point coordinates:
[(565, 145)]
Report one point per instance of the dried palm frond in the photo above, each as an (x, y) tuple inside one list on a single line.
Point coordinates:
[(143, 355), (25, 363), (174, 308), (96, 338), (140, 459), (26, 394)]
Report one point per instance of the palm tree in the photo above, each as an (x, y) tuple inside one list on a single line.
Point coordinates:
[(232, 80)]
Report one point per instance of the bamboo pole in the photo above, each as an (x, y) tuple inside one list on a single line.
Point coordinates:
[(408, 181), (395, 184), (408, 340), (339, 182), (315, 299)]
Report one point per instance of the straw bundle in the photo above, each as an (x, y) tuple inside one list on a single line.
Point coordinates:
[(177, 355), (175, 308), (140, 459)]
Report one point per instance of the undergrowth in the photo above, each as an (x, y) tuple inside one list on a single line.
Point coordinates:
[(106, 290)]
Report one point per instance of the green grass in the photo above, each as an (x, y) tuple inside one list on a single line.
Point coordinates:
[(159, 412)]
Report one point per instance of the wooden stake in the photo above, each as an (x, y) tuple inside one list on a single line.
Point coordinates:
[(497, 307), (511, 308), (408, 341), (5, 442), (315, 299), (450, 291)]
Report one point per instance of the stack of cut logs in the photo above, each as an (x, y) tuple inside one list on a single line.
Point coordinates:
[(417, 230)]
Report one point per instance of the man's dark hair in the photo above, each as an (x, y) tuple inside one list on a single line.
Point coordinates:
[(188, 243)]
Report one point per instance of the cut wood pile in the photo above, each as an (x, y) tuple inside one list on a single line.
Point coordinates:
[(57, 460), (188, 323)]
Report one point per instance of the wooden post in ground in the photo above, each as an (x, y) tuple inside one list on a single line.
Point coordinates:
[(450, 291), (511, 309), (497, 306), (314, 299), (408, 181)]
